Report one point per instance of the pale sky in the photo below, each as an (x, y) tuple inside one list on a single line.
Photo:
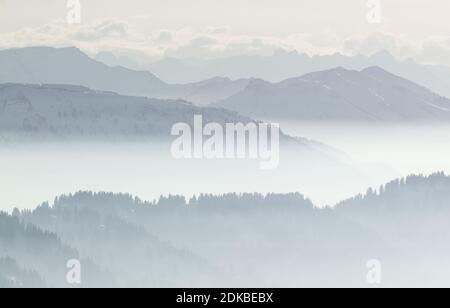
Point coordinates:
[(209, 28)]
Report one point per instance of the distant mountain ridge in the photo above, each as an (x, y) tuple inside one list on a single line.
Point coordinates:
[(72, 66), (338, 94), (35, 65), (371, 95), (284, 65)]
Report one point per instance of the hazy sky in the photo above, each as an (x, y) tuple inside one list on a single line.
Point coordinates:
[(209, 28)]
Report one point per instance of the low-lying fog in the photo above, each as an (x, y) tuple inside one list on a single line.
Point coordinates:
[(31, 174), (404, 148)]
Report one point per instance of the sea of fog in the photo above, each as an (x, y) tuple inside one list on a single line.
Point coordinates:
[(33, 173), (405, 148)]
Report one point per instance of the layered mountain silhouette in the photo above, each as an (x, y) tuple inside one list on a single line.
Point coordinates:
[(135, 256), (284, 65), (71, 66), (235, 239), (241, 240), (370, 95)]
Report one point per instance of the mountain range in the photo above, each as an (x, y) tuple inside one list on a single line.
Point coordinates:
[(71, 66), (337, 94), (284, 65), (370, 95)]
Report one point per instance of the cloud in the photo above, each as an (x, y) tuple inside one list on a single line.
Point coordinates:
[(115, 35), (398, 45), (107, 29), (221, 44), (123, 39), (433, 50), (164, 36)]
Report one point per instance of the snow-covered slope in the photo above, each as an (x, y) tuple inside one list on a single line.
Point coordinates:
[(370, 95), (64, 112), (60, 110)]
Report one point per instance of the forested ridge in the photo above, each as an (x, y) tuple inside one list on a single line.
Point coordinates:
[(231, 239)]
